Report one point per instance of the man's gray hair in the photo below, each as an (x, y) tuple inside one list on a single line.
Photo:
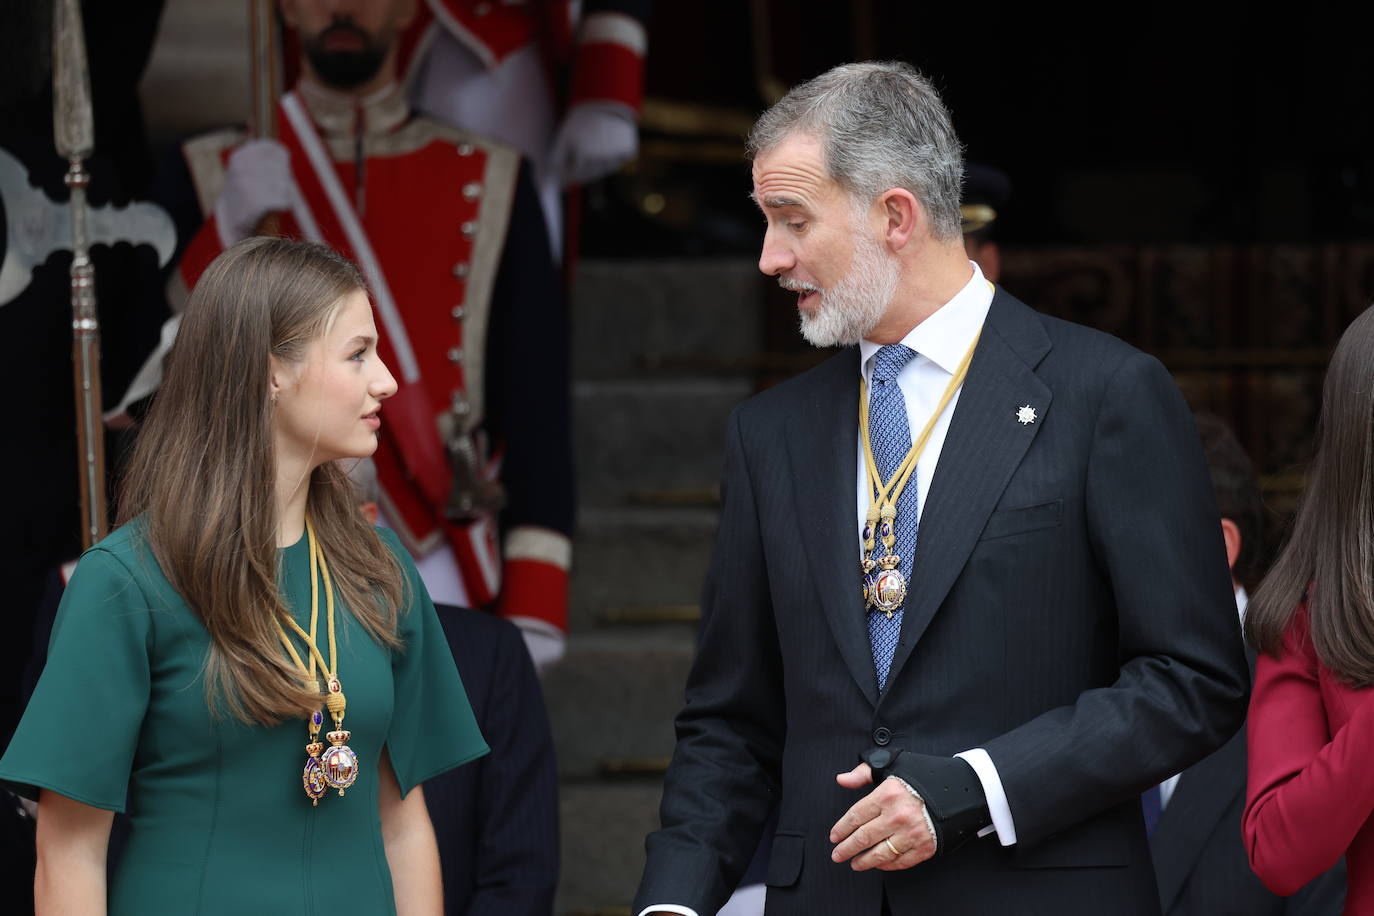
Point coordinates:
[(882, 126)]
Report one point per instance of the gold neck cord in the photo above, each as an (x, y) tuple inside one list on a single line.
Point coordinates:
[(884, 587), (337, 766)]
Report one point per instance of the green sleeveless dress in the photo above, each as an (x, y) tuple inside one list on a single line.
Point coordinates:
[(220, 823)]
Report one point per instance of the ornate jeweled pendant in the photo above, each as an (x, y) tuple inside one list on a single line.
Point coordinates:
[(887, 586), (313, 776), (339, 763), (866, 578)]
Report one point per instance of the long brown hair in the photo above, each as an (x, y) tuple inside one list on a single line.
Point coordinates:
[(1329, 553), (203, 474)]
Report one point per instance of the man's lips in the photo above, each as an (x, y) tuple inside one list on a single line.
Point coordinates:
[(343, 39)]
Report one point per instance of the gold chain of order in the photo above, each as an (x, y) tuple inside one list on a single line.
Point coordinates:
[(318, 569), (884, 496)]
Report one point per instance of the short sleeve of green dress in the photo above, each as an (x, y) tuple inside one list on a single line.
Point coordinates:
[(219, 819), (81, 728), (432, 725)]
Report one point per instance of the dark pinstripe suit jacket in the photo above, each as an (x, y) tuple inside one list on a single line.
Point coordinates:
[(1070, 612), (496, 819)]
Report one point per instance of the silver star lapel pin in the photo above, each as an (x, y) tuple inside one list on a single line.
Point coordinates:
[(1026, 415)]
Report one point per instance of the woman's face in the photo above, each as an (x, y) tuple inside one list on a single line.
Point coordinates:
[(328, 404)]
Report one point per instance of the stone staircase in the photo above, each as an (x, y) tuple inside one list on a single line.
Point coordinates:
[(650, 404)]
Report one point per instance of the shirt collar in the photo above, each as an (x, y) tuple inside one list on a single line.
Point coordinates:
[(1242, 602), (944, 336), (336, 112)]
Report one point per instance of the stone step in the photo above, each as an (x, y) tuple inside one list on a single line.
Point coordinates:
[(635, 558), (613, 697), (632, 315), (603, 831), (631, 436)]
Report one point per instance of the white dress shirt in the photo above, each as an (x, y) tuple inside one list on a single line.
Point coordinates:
[(940, 342)]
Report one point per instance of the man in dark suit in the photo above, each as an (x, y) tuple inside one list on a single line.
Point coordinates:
[(1196, 842), (496, 820), (1068, 631)]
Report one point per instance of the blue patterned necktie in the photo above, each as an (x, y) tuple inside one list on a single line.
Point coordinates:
[(1151, 807), (889, 435)]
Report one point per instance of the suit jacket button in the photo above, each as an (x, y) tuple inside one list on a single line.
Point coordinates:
[(881, 736)]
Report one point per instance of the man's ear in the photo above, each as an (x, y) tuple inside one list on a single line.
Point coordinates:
[(902, 216), (405, 14), (1230, 533)]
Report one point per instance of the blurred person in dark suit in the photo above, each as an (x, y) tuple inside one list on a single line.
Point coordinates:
[(1193, 819), (496, 820)]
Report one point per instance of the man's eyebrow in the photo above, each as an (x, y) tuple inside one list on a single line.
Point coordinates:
[(776, 201)]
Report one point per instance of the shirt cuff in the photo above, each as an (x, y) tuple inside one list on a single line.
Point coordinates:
[(669, 908), (997, 798)]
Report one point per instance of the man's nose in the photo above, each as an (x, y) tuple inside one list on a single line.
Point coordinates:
[(775, 258)]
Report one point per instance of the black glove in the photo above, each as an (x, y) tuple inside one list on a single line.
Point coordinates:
[(949, 787)]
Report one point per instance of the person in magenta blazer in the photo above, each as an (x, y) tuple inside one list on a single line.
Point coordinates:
[(1310, 792)]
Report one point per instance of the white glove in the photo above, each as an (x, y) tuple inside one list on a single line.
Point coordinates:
[(593, 140), (257, 182)]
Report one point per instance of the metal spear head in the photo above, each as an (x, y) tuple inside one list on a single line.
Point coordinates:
[(73, 124)]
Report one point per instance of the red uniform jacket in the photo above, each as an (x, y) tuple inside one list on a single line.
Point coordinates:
[(472, 324)]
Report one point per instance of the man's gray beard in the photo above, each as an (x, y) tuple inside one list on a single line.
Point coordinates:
[(853, 306)]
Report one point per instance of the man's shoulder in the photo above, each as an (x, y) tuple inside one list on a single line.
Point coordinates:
[(802, 393), (1075, 341), (1063, 353)]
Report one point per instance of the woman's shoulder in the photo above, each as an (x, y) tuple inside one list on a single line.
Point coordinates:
[(126, 555), (1297, 633), (392, 541), (125, 547)]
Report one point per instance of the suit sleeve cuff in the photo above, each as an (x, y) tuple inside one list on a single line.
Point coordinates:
[(996, 797), (668, 908)]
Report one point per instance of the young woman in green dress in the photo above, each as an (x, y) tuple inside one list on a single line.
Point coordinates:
[(244, 666)]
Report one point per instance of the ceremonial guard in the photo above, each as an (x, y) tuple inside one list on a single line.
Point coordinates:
[(560, 80), (475, 457)]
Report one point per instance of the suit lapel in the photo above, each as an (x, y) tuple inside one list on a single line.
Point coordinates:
[(1199, 802), (1201, 799), (984, 445), (822, 442)]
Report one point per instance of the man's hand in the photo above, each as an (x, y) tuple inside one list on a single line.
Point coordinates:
[(257, 182), (888, 815), (592, 142)]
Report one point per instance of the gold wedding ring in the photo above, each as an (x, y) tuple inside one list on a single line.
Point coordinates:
[(895, 852)]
